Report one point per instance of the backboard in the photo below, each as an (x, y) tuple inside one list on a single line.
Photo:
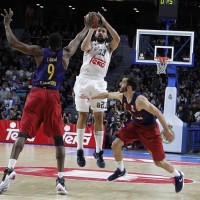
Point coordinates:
[(177, 45)]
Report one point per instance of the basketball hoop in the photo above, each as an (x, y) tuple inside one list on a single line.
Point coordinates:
[(162, 63)]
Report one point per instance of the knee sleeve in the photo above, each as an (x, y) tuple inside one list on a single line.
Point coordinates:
[(58, 140), (20, 134)]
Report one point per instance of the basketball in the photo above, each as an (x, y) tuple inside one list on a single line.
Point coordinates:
[(96, 20)]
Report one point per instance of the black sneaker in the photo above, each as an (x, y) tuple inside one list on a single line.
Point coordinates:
[(179, 182), (99, 157), (9, 175), (116, 174), (60, 186), (80, 158)]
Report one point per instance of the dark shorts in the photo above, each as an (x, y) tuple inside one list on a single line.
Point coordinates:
[(149, 136), (42, 106)]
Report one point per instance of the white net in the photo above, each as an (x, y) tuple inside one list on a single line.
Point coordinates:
[(162, 64), (161, 68)]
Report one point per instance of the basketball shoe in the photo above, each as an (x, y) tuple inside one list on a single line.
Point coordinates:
[(179, 182), (116, 174), (99, 158), (60, 186), (80, 158), (9, 175)]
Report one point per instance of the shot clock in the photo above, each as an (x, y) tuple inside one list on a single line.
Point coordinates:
[(168, 9)]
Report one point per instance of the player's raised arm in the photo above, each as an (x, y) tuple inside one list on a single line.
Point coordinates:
[(73, 45), (86, 44), (115, 37), (13, 41)]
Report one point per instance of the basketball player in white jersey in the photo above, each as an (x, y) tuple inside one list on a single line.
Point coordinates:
[(96, 60)]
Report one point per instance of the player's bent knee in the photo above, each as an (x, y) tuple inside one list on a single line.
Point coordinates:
[(58, 141), (117, 143)]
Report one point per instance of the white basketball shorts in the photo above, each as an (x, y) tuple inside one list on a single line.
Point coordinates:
[(90, 87)]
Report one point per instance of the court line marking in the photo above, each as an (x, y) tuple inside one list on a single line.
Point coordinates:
[(22, 197)]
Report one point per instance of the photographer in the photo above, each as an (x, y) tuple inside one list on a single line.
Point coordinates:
[(114, 126)]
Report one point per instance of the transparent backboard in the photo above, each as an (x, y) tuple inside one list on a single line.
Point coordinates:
[(177, 45)]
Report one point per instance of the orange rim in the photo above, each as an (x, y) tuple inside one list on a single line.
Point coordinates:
[(162, 59)]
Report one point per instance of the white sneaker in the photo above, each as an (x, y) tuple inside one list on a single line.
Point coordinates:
[(60, 187), (9, 175)]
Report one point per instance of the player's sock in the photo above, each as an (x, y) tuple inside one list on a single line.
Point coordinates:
[(99, 140), (60, 174), (80, 136), (12, 163), (176, 173), (120, 165)]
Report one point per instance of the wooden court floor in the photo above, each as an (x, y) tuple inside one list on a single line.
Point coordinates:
[(36, 175)]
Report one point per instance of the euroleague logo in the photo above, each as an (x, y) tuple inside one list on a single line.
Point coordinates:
[(164, 140)]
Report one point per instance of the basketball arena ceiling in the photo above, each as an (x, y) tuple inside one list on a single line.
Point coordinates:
[(117, 12), (121, 12)]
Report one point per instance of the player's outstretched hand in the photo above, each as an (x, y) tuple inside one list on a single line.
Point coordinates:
[(7, 16)]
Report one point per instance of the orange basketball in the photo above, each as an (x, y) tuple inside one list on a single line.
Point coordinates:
[(96, 20)]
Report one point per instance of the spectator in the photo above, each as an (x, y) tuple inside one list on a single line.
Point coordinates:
[(181, 99), (15, 97), (191, 118), (3, 93), (119, 108), (8, 102), (182, 113), (68, 118), (12, 114), (2, 113)]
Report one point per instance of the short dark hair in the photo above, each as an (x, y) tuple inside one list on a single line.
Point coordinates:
[(132, 81), (55, 41), (102, 26)]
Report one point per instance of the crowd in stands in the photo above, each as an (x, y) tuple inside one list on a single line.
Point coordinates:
[(16, 72)]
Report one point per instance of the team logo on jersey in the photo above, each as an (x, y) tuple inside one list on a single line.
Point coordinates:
[(97, 61)]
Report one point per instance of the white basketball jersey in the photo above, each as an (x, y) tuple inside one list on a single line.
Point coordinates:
[(96, 61)]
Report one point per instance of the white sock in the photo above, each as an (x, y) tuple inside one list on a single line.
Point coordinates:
[(98, 135), (60, 174), (12, 163), (176, 172), (80, 136), (120, 165)]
